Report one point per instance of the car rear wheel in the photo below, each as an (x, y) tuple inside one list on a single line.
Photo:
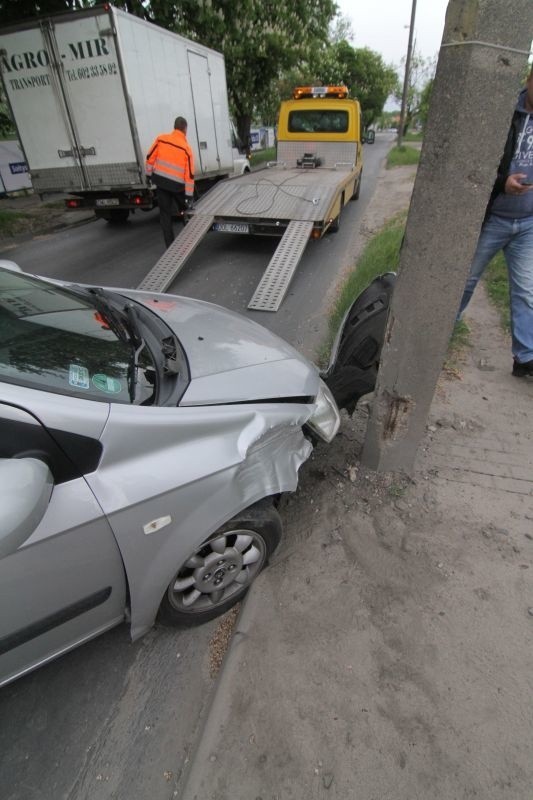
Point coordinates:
[(219, 572)]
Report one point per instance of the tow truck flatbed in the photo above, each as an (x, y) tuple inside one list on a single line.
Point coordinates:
[(299, 197)]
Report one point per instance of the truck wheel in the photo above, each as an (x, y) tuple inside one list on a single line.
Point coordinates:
[(116, 217), (357, 192), (219, 572), (335, 225)]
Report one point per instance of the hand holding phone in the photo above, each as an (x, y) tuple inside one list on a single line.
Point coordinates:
[(516, 183)]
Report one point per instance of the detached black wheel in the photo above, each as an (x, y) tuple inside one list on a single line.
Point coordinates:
[(218, 574)]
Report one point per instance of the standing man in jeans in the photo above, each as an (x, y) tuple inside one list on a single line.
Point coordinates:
[(170, 165), (508, 226)]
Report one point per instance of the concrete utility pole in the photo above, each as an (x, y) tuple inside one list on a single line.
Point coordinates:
[(406, 76), (481, 67)]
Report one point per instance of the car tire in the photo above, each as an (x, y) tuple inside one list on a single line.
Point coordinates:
[(219, 572)]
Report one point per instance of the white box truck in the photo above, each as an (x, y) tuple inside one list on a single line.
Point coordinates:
[(90, 90)]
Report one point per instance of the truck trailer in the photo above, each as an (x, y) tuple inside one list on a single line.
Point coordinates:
[(299, 197), (90, 90)]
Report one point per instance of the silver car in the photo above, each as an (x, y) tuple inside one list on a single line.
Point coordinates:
[(144, 440)]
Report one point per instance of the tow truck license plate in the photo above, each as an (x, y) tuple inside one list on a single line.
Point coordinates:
[(231, 227), (108, 201)]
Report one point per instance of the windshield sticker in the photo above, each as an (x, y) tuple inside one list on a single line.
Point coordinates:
[(78, 377), (107, 384)]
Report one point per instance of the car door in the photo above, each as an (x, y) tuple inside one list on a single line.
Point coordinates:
[(64, 583)]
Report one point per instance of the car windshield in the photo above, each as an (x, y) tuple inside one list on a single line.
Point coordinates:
[(56, 340)]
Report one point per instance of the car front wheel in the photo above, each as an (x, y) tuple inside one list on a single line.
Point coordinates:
[(218, 574)]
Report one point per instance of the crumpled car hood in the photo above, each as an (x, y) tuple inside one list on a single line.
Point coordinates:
[(231, 359)]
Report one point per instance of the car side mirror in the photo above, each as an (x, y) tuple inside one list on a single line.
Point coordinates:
[(370, 137), (25, 490)]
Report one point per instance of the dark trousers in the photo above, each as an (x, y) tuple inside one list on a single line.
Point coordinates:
[(168, 201)]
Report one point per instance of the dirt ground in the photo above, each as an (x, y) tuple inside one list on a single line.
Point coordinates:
[(386, 652)]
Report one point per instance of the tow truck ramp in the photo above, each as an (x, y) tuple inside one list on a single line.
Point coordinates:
[(290, 201), (275, 282), (165, 270)]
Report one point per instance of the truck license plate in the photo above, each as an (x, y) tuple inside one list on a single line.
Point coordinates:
[(108, 201), (231, 227)]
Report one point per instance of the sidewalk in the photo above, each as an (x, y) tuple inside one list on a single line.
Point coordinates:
[(385, 654)]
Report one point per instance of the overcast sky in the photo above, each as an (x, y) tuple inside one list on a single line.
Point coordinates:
[(379, 24)]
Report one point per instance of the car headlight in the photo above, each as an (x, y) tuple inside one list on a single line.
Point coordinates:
[(326, 419)]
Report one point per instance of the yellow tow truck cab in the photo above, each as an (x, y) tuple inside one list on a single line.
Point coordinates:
[(322, 114)]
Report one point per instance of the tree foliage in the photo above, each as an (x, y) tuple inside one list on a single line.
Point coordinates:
[(269, 46), (363, 71), (420, 73), (425, 97), (17, 10)]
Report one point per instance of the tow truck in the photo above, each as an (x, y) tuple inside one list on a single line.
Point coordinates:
[(298, 197)]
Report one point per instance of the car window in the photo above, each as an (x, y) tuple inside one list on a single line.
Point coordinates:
[(50, 339)]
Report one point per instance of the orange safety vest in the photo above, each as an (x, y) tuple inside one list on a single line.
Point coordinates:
[(171, 157)]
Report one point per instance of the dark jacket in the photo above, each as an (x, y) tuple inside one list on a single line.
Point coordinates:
[(510, 147)]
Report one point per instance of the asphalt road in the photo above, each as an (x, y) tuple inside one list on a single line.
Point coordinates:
[(114, 719), (224, 269)]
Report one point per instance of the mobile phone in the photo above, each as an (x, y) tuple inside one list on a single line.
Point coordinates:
[(526, 183)]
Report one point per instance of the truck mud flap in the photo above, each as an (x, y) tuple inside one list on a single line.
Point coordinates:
[(165, 270), (355, 355), (276, 279)]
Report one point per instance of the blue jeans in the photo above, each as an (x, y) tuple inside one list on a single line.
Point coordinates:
[(515, 238)]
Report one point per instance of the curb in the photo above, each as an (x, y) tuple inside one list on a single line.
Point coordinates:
[(215, 715)]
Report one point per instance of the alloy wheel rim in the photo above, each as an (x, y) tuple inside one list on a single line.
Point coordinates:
[(224, 566)]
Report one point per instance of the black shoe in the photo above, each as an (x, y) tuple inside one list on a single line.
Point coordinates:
[(524, 370)]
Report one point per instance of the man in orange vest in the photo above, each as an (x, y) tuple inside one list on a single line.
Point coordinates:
[(170, 165)]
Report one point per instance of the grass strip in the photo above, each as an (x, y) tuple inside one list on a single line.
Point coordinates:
[(497, 284), (260, 156), (413, 137), (382, 254), (11, 222), (402, 156)]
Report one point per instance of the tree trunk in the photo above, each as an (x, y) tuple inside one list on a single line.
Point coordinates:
[(244, 122)]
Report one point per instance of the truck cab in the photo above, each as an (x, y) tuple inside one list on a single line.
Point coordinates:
[(320, 127)]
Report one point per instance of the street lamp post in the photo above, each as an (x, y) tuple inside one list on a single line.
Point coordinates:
[(406, 76)]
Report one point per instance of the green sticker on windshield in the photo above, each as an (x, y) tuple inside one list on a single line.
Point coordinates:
[(107, 384)]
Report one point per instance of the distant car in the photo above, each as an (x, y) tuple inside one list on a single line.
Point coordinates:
[(144, 439)]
